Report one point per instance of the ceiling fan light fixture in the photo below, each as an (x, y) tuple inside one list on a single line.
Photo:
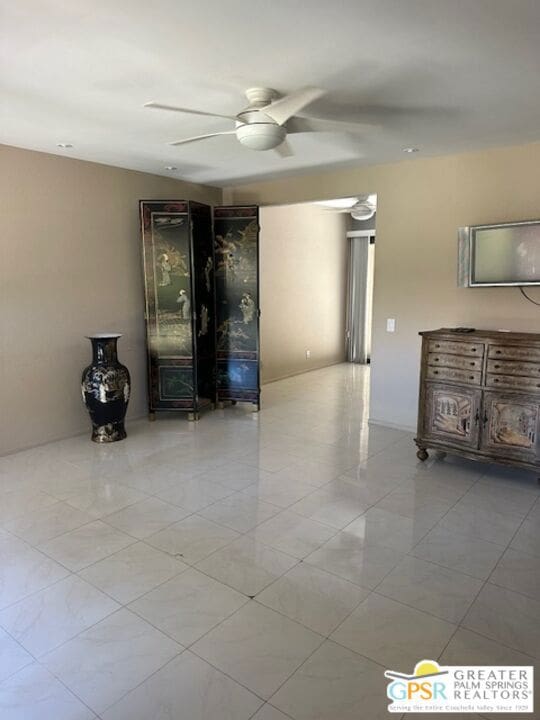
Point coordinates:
[(261, 136), (363, 211)]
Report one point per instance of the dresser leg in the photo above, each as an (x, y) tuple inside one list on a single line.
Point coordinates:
[(422, 454)]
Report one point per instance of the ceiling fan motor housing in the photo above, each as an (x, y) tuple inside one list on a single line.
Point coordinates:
[(254, 129)]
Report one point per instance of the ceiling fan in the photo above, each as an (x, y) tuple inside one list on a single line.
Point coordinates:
[(265, 123), (362, 207)]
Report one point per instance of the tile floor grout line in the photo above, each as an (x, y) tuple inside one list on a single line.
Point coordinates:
[(126, 693), (197, 569), (36, 592), (248, 599), (458, 625), (509, 547), (267, 702), (189, 645), (326, 639), (498, 642), (489, 581), (86, 580), (75, 572), (70, 691), (484, 584), (341, 446), (408, 554)]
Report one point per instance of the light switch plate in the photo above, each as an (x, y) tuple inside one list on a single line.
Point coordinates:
[(390, 324)]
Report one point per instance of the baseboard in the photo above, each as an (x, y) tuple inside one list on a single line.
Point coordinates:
[(69, 436), (393, 426), (54, 439), (303, 372)]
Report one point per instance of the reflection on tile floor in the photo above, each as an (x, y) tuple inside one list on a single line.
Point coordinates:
[(256, 566)]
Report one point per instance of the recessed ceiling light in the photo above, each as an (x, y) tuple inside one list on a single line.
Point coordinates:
[(64, 146), (410, 150), (170, 167)]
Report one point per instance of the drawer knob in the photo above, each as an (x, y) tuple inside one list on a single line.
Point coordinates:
[(473, 349), (471, 377), (435, 372), (472, 363), (496, 367), (496, 380), (497, 352)]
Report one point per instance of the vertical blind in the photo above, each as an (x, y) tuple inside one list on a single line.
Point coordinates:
[(360, 288)]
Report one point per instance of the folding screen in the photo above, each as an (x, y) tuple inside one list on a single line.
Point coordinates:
[(179, 311)]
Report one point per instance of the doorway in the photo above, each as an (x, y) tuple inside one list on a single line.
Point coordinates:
[(361, 265), (305, 259)]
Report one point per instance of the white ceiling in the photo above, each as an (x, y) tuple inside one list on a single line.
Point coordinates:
[(441, 75)]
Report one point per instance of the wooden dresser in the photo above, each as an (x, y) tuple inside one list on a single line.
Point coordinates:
[(480, 396)]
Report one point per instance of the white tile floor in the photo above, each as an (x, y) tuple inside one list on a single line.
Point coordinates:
[(266, 566)]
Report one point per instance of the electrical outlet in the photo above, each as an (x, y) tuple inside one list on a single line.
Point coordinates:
[(308, 354), (390, 325)]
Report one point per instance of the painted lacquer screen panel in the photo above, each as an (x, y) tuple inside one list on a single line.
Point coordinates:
[(236, 256), (169, 300)]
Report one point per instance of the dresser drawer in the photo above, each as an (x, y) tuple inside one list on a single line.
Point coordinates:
[(514, 382), (469, 377), (514, 352), (513, 367), (456, 348), (454, 361)]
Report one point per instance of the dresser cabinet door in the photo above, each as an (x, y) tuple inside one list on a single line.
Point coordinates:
[(510, 425), (452, 414)]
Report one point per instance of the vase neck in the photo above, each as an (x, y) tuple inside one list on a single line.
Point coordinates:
[(104, 351)]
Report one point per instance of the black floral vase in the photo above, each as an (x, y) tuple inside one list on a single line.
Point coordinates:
[(105, 390)]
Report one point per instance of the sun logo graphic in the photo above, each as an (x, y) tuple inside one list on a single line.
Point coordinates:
[(426, 684), (433, 688)]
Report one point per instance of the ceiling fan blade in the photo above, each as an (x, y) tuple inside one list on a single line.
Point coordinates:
[(310, 124), (202, 137), (284, 150), (173, 108), (284, 108)]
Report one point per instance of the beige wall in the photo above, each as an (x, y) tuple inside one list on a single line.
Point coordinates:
[(69, 265), (303, 259), (421, 203)]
